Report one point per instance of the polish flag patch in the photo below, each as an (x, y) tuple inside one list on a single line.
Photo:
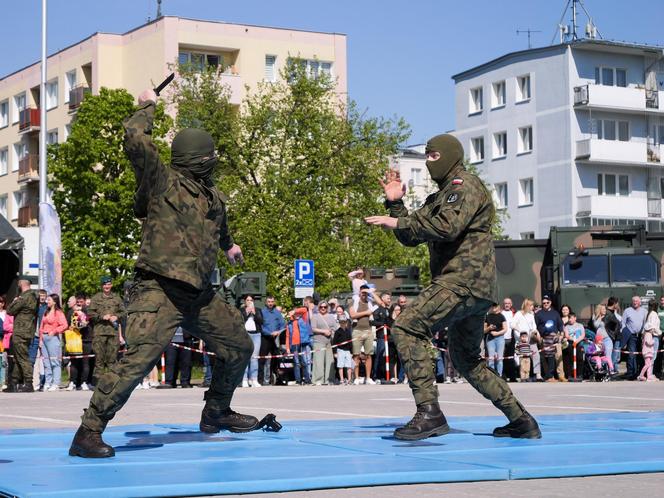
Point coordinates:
[(457, 181)]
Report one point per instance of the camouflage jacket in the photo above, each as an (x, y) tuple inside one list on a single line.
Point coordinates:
[(184, 223), (101, 305), (455, 222), (24, 311)]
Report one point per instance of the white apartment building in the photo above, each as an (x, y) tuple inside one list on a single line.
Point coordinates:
[(568, 135), (247, 55), (411, 164)]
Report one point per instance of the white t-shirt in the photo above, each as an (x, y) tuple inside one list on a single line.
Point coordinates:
[(509, 316), (250, 324), (523, 323)]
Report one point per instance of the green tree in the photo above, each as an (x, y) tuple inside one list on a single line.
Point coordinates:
[(93, 186), (301, 170)]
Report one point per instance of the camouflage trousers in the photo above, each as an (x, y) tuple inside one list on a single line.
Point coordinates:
[(105, 348), (21, 371), (155, 310), (435, 308)]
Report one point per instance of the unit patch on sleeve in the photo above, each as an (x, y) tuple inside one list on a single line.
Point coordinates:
[(452, 198)]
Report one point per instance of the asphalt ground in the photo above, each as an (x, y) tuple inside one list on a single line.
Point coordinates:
[(63, 409)]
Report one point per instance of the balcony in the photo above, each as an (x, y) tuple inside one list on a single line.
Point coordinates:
[(618, 152), (28, 216), (76, 96), (28, 168), (618, 99), (28, 120), (235, 87), (612, 206)]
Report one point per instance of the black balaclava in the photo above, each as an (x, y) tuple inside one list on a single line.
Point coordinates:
[(192, 154), (451, 156)]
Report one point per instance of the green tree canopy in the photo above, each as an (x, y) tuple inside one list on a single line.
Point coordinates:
[(301, 170), (93, 187)]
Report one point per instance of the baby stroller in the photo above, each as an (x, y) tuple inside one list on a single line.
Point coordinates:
[(598, 368)]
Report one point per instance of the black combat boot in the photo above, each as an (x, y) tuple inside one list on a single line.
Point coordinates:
[(524, 427), (11, 388), (25, 388), (428, 421), (214, 419), (89, 444)]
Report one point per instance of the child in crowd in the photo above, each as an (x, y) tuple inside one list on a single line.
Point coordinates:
[(549, 349), (600, 356), (648, 351), (524, 353), (343, 351), (357, 281)]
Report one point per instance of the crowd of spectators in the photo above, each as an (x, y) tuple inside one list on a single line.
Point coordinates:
[(325, 342)]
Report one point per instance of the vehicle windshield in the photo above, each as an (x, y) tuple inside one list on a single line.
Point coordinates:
[(584, 270), (626, 268)]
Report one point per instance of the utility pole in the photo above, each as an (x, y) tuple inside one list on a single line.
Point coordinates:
[(42, 141), (159, 9), (529, 31)]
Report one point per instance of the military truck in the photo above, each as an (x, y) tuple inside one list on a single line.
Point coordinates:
[(250, 283), (582, 266), (395, 281)]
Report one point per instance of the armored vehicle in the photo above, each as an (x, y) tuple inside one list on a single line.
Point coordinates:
[(582, 266)]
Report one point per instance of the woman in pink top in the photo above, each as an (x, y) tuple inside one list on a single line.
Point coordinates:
[(53, 325)]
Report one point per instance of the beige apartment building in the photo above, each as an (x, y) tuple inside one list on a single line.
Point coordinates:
[(136, 60)]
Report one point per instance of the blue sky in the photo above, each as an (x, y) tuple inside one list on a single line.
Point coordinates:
[(401, 54)]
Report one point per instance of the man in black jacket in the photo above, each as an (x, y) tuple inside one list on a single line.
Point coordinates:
[(382, 320), (612, 326)]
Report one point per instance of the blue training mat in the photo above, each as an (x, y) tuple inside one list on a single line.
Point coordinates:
[(176, 460)]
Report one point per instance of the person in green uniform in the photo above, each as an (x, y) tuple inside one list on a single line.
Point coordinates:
[(106, 312), (24, 310), (455, 223), (184, 226)]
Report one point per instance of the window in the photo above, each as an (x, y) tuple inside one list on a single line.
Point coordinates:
[(501, 195), (629, 268), (199, 60), (3, 205), (499, 144), (658, 134), (610, 129), (609, 76), (586, 270), (51, 94), (527, 235), (315, 68), (498, 97), (416, 176), (19, 105), (270, 63), (19, 153), (609, 184), (17, 204), (4, 153), (523, 88), (52, 137), (526, 192), (477, 149), (70, 83), (4, 113), (525, 139), (476, 100), (661, 187), (67, 131)]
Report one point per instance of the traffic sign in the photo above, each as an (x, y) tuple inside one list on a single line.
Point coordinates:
[(304, 277)]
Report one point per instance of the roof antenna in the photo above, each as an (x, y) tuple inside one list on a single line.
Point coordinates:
[(159, 9), (528, 31), (570, 32)]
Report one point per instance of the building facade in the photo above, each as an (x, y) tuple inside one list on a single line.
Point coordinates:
[(568, 135), (411, 164), (136, 60)]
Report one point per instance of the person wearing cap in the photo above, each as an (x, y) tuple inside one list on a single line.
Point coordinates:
[(341, 341), (184, 225), (456, 224), (105, 313), (24, 310)]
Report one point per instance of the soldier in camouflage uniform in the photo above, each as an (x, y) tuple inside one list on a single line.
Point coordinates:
[(455, 223), (106, 311), (184, 225), (24, 311)]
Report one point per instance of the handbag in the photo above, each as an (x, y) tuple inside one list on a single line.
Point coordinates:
[(73, 341)]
